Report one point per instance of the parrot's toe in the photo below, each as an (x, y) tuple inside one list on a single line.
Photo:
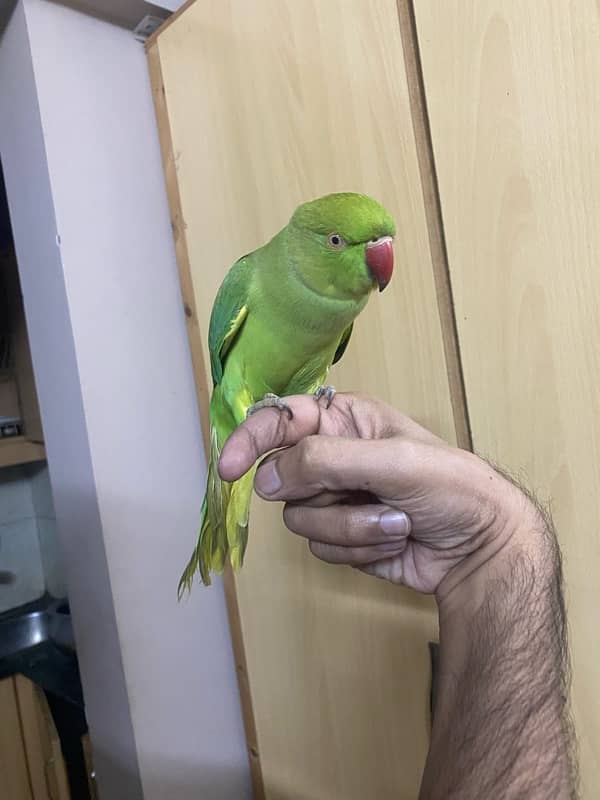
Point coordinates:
[(328, 392), (270, 401)]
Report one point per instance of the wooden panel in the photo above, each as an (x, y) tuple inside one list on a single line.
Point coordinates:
[(14, 779), (32, 736), (47, 773), (263, 105), (514, 104), (17, 450), (55, 768), (21, 354), (9, 399)]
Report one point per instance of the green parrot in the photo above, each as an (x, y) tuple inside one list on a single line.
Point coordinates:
[(282, 317)]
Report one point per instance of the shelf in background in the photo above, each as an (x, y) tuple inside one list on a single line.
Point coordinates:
[(19, 450)]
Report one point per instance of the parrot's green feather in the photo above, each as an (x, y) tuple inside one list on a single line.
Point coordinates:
[(341, 348), (282, 317), (209, 554), (228, 315), (238, 510), (217, 492), (196, 563)]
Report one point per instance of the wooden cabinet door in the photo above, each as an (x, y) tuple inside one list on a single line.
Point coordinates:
[(14, 777), (514, 104), (31, 761), (46, 767), (261, 106)]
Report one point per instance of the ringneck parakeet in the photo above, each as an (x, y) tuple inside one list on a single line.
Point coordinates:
[(282, 317)]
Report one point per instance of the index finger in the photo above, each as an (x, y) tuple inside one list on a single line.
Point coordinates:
[(268, 430)]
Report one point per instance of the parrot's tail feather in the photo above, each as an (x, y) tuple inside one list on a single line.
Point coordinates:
[(238, 511), (196, 562), (236, 554), (217, 496), (207, 555), (224, 526)]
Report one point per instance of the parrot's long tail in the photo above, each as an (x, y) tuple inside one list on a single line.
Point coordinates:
[(224, 524)]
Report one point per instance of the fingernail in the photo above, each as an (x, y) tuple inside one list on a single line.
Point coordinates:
[(395, 523), (267, 479)]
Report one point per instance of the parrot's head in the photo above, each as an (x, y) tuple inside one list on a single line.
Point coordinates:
[(341, 245)]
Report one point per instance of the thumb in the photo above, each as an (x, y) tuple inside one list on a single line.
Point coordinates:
[(336, 464), (268, 430)]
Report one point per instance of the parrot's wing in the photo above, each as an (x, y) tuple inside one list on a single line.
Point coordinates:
[(228, 314), (341, 348)]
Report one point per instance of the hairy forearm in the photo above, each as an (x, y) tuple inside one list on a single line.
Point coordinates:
[(501, 726)]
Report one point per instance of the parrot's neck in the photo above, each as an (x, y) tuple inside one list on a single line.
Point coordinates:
[(295, 303)]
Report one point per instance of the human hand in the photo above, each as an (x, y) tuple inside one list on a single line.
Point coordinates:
[(369, 487)]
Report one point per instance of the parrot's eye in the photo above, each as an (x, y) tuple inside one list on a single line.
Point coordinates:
[(335, 241)]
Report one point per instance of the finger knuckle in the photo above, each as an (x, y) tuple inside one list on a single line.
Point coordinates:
[(280, 433), (292, 517), (309, 447), (349, 525), (407, 450)]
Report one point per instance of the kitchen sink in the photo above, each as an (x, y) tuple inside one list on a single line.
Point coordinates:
[(24, 631)]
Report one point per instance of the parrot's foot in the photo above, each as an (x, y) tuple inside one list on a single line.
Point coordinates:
[(328, 392), (270, 401)]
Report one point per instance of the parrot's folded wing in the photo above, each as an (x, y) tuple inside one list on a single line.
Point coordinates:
[(228, 314), (341, 348)]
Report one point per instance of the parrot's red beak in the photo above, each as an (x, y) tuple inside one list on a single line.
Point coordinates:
[(380, 260)]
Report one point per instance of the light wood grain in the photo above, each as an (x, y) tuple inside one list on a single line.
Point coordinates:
[(17, 450), (29, 715), (14, 779), (45, 764), (55, 767), (514, 103), (268, 104), (203, 392), (433, 215)]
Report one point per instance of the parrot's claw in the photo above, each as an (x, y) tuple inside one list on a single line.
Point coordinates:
[(328, 392), (270, 401)]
